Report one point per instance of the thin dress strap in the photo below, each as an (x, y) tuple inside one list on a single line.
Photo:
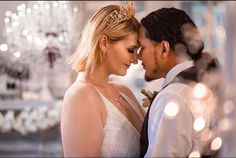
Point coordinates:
[(133, 105), (127, 99), (92, 86)]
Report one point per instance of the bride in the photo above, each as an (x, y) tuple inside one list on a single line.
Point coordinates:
[(100, 117)]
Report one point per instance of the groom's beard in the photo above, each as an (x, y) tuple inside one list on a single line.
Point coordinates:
[(153, 74)]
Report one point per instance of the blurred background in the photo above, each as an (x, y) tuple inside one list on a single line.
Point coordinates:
[(36, 37)]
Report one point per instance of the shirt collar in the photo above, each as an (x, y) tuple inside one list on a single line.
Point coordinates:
[(176, 70)]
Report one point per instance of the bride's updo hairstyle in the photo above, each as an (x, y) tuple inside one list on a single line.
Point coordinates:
[(114, 21)]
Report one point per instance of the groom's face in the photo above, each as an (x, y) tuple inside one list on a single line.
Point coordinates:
[(150, 54)]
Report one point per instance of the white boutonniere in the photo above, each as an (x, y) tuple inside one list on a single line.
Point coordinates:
[(149, 97)]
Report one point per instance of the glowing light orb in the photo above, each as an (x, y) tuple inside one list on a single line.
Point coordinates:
[(200, 90), (199, 124), (171, 109), (216, 143), (194, 154)]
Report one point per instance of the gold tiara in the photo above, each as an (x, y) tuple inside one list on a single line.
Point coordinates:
[(125, 13)]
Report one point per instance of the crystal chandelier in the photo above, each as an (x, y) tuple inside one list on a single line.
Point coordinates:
[(40, 31)]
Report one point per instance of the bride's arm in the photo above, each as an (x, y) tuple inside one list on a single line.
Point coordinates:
[(81, 123)]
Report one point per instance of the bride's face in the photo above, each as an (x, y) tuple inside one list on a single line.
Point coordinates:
[(120, 55)]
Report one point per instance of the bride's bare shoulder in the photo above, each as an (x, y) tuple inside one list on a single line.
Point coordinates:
[(81, 95), (79, 88)]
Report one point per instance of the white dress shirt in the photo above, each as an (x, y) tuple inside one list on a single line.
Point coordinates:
[(172, 135)]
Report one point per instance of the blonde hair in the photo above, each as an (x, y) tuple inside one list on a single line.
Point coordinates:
[(115, 22)]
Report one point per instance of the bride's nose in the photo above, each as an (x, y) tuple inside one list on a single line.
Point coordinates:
[(134, 58)]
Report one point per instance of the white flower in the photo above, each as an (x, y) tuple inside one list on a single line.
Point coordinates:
[(18, 124), (1, 120), (30, 122), (8, 121), (30, 125), (31, 119), (53, 117), (41, 122)]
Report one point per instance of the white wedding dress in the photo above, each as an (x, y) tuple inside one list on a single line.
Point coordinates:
[(121, 138)]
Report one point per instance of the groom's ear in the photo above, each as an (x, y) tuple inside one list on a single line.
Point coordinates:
[(165, 47)]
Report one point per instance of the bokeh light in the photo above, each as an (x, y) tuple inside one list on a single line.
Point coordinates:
[(228, 107), (216, 143), (171, 109), (194, 154), (200, 90), (3, 47), (224, 124), (199, 124)]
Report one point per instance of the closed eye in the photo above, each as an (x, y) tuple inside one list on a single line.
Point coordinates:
[(131, 51)]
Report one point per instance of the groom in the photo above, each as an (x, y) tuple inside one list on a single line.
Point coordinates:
[(171, 47)]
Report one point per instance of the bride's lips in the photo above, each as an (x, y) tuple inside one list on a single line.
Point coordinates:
[(127, 65)]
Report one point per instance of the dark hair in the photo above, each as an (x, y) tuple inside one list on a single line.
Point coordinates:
[(168, 24), (176, 27)]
